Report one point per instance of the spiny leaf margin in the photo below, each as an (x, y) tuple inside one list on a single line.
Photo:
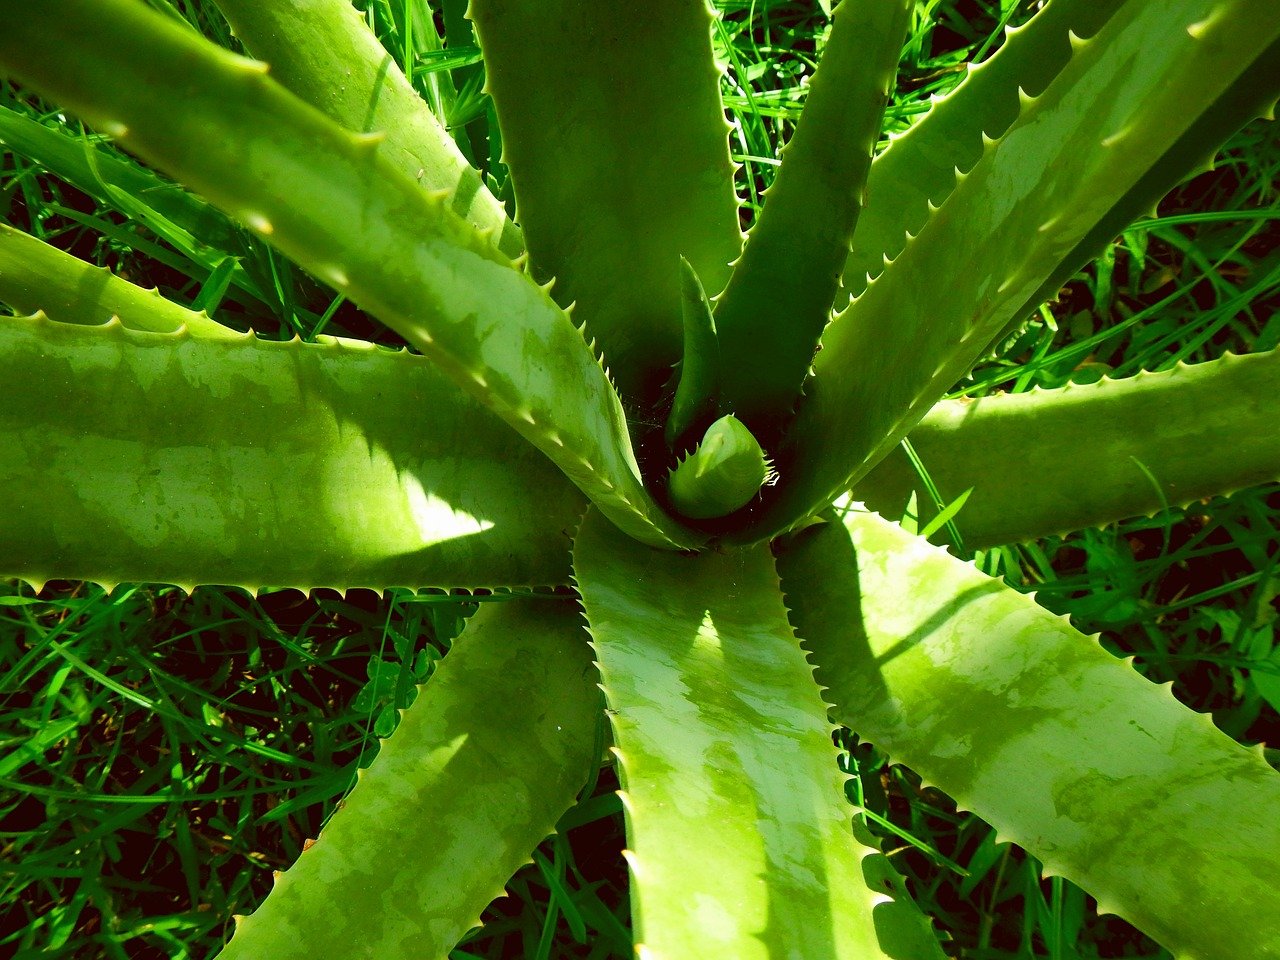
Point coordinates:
[(135, 456), (1046, 462), (327, 199), (732, 853), (1064, 749), (483, 763)]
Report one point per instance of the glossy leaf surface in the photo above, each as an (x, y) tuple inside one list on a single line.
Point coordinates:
[(1074, 151), (327, 199), (732, 852), (1059, 745), (1049, 461), (620, 162), (131, 456), (484, 762)]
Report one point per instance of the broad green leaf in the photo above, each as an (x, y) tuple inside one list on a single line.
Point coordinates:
[(323, 51), (779, 297), (490, 754), (1049, 461), (198, 230), (35, 276), (1074, 151), (739, 835), (327, 199), (919, 167), (616, 139), (1252, 94), (1063, 748), (133, 456)]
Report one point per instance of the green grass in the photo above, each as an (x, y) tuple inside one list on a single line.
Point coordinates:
[(161, 754)]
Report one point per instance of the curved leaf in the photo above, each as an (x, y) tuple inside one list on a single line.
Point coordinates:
[(128, 456), (697, 397), (919, 167), (740, 842), (1252, 94), (620, 160), (35, 276), (323, 51), (1127, 95), (779, 298), (727, 469), (104, 174), (486, 759), (326, 198), (1060, 746)]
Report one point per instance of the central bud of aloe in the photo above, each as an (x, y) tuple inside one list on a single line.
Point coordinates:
[(727, 467), (726, 470)]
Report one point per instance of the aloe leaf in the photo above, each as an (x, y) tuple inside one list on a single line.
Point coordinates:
[(919, 166), (35, 276), (483, 763), (590, 154), (1063, 748), (1127, 95), (1049, 461), (725, 472), (131, 456), (1250, 96), (697, 398), (323, 51), (739, 835), (779, 297), (327, 199)]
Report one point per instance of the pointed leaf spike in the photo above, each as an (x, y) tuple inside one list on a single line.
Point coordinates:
[(726, 470), (698, 393)]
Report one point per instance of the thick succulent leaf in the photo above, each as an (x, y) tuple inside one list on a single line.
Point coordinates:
[(779, 298), (1125, 98), (1252, 94), (328, 200), (323, 51), (130, 456), (484, 762), (1049, 461), (739, 834), (616, 139), (1063, 748), (200, 231), (35, 276), (919, 167)]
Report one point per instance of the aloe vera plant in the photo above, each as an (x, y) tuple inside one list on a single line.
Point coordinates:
[(641, 417)]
